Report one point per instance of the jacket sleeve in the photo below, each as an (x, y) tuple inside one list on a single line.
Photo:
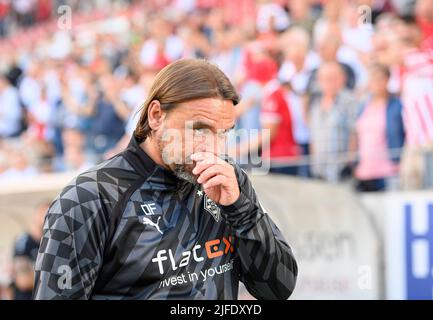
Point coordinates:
[(71, 248), (268, 267)]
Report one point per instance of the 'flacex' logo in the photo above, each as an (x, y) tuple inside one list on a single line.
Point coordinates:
[(213, 248)]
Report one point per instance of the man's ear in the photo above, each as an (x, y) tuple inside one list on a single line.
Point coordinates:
[(155, 115)]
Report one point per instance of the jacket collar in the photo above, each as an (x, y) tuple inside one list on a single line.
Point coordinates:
[(146, 166)]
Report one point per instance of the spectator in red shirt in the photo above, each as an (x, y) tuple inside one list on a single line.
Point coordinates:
[(281, 149), (259, 69), (43, 10), (4, 12), (424, 19)]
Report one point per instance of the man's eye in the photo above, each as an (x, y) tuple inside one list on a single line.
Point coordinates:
[(204, 131), (223, 134), (199, 130)]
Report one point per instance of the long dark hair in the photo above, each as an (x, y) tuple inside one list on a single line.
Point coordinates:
[(184, 80)]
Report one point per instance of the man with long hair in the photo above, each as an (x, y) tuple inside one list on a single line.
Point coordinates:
[(169, 217)]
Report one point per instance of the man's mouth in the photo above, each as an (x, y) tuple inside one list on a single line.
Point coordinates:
[(189, 161)]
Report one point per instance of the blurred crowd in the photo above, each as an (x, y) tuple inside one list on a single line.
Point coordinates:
[(22, 14), (344, 88)]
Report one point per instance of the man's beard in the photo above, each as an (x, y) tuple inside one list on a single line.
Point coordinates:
[(181, 169)]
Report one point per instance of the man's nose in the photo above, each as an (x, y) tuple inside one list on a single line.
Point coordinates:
[(213, 148), (206, 148)]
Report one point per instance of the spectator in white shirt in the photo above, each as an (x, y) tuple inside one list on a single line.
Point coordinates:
[(10, 109), (271, 17)]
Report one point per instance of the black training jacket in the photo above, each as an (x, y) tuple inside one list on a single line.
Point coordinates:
[(130, 229)]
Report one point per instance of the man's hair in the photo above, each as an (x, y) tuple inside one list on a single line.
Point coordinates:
[(184, 80)]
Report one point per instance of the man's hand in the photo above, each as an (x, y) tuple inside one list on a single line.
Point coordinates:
[(217, 178)]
